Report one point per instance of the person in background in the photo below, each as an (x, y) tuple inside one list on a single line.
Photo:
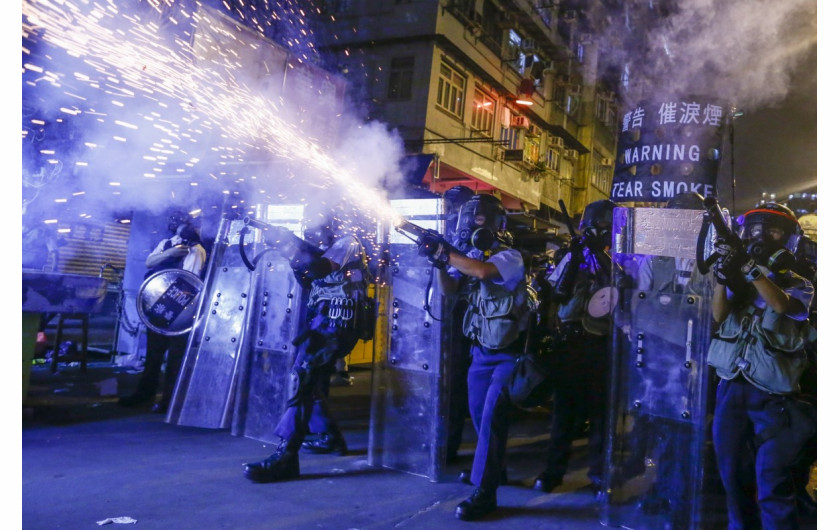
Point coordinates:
[(582, 340), (183, 250)]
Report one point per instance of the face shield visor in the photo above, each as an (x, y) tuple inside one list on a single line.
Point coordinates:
[(766, 232), (596, 224), (480, 220)]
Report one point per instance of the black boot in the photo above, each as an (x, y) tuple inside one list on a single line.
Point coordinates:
[(282, 465), (479, 504), (326, 443), (547, 481)]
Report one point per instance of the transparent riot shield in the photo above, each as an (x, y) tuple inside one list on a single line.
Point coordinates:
[(658, 447), (408, 398), (277, 313)]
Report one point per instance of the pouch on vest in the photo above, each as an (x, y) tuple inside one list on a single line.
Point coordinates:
[(768, 349), (494, 318)]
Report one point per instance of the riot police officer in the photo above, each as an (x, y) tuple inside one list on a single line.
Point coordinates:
[(495, 320), (337, 277), (183, 250), (581, 341), (759, 354)]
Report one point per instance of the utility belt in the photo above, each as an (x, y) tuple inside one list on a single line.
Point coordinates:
[(569, 332)]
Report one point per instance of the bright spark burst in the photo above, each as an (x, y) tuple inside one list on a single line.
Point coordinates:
[(137, 64)]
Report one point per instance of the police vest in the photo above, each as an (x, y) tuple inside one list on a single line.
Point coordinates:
[(495, 316), (767, 347), (348, 282)]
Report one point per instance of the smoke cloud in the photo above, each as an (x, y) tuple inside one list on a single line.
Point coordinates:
[(743, 52)]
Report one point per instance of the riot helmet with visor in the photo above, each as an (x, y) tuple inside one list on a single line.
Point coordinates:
[(481, 220), (769, 229), (596, 224)]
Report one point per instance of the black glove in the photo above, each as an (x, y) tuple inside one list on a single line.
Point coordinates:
[(434, 247)]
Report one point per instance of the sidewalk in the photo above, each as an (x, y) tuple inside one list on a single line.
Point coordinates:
[(85, 459)]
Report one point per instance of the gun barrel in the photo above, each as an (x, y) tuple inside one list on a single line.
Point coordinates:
[(410, 228), (250, 221), (716, 216)]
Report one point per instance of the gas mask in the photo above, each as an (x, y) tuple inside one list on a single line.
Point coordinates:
[(176, 220), (480, 221), (596, 225), (321, 236), (770, 235)]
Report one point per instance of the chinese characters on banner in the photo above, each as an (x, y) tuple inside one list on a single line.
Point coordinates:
[(668, 147)]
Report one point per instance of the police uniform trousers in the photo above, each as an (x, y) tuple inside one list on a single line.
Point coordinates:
[(157, 347), (750, 419), (306, 408), (580, 394), (490, 409)]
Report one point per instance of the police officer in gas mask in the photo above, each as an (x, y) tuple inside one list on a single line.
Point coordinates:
[(759, 353), (496, 317), (581, 340), (337, 278)]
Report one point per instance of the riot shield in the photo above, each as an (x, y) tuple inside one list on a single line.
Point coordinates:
[(408, 400), (204, 392), (277, 315), (658, 445)]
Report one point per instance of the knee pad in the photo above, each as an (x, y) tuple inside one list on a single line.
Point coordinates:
[(294, 383)]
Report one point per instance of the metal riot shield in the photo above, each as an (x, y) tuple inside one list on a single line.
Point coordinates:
[(204, 392), (658, 446), (278, 310), (408, 401)]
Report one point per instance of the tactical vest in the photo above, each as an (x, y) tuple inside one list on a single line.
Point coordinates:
[(765, 346), (495, 316), (348, 282)]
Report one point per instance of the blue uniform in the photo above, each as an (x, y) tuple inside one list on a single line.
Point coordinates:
[(487, 379)]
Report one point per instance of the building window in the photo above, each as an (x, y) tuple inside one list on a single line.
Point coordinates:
[(483, 111), (602, 174), (399, 83), (450, 93)]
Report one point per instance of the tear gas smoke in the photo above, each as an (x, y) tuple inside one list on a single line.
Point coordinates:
[(158, 106)]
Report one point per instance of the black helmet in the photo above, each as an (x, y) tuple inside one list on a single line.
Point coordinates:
[(756, 226), (481, 220), (688, 200), (458, 195), (176, 219), (596, 223), (320, 228)]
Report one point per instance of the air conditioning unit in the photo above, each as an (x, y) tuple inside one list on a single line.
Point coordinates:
[(498, 152), (570, 154), (528, 45), (519, 122), (555, 141), (533, 131)]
